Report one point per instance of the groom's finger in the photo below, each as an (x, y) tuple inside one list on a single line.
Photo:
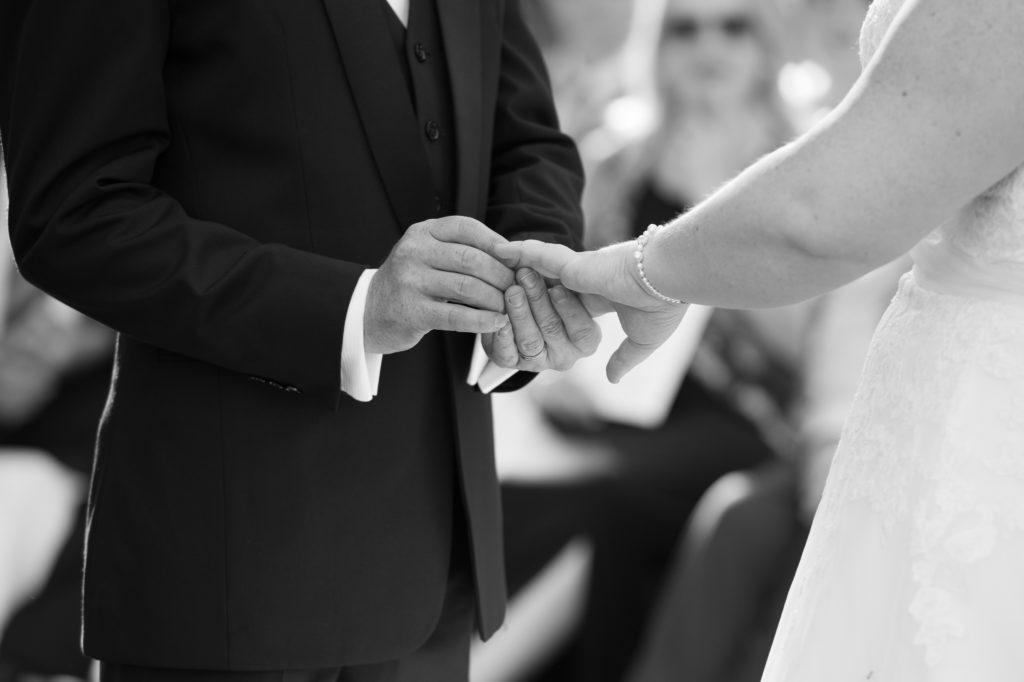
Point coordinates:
[(545, 316), (583, 331), (469, 260), (449, 286), (503, 348), (528, 338), (451, 317), (458, 229)]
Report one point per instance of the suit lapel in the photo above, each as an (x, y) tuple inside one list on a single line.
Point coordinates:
[(460, 28), (385, 107)]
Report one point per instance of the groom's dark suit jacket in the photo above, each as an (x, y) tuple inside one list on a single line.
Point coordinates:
[(210, 177)]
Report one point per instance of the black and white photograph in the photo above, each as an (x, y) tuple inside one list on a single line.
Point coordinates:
[(511, 341)]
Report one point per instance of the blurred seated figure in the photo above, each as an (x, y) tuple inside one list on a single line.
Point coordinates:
[(731, 574), (581, 41), (724, 594), (54, 372), (826, 64), (616, 523)]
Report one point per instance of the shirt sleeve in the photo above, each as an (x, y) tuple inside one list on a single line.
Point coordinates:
[(360, 371), (483, 373)]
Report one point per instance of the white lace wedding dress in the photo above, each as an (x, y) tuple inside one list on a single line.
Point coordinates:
[(914, 570)]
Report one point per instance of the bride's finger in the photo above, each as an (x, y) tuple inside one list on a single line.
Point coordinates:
[(547, 259), (596, 305), (628, 355)]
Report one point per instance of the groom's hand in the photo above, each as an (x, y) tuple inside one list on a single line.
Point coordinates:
[(439, 276), (548, 328)]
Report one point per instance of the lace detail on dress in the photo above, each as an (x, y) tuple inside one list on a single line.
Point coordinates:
[(991, 230), (913, 567), (876, 25), (954, 482), (933, 456)]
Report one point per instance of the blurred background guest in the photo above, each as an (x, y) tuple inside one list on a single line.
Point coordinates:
[(709, 108), (706, 105), (54, 371), (724, 594), (582, 42)]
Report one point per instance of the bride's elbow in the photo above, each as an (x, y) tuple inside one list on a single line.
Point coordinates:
[(811, 233)]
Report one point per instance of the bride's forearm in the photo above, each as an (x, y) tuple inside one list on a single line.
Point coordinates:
[(895, 159), (768, 238), (745, 247)]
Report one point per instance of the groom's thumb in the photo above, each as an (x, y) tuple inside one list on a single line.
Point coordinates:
[(509, 253)]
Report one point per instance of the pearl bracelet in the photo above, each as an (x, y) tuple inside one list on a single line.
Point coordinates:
[(638, 254)]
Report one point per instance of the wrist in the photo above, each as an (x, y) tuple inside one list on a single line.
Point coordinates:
[(375, 337), (381, 334), (641, 250)]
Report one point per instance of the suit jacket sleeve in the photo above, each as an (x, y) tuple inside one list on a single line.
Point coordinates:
[(83, 113), (536, 174)]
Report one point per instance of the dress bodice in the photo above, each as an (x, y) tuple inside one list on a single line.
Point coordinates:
[(980, 250)]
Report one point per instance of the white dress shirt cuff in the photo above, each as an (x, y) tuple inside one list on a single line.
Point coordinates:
[(360, 371), (483, 373)]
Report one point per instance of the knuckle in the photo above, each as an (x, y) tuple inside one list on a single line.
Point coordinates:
[(464, 255), (462, 285), (551, 326), (562, 364), (585, 337), (456, 226), (452, 317), (503, 353), (531, 345), (404, 257), (557, 361), (506, 360), (535, 293)]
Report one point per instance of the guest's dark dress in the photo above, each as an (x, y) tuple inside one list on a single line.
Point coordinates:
[(635, 517)]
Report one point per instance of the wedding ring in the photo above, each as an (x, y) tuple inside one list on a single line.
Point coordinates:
[(536, 355)]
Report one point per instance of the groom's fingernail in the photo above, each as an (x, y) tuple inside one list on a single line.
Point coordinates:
[(528, 278), (558, 294), (516, 297)]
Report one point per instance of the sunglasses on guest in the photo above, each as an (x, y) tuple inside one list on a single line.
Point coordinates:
[(733, 27)]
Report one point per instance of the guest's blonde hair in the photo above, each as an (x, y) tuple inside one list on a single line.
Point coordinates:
[(631, 140)]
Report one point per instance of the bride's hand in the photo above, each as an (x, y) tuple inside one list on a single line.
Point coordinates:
[(608, 280)]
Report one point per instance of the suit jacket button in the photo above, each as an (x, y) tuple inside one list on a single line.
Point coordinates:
[(420, 52), (433, 131)]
